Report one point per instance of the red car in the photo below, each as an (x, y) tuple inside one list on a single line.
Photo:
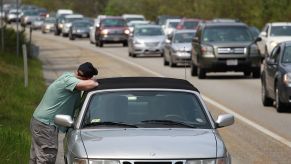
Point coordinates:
[(112, 29), (188, 23)]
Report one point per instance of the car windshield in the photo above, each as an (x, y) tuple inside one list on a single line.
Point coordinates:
[(82, 24), (69, 20), (280, 31), (227, 34), (50, 21), (287, 55), (183, 37), (145, 109), (190, 24), (173, 24), (113, 23), (148, 31)]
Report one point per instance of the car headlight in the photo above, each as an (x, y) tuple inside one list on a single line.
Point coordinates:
[(208, 161), (103, 162), (287, 79), (104, 32), (207, 51), (137, 42), (80, 161), (126, 32)]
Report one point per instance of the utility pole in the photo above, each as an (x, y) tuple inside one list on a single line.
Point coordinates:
[(17, 32), (2, 27)]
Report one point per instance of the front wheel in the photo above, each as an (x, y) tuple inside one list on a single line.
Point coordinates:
[(280, 107), (265, 99), (193, 70), (257, 73)]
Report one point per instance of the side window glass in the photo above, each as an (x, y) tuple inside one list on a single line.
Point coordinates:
[(267, 30), (275, 54)]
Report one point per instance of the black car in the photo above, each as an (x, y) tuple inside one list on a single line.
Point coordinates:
[(276, 77)]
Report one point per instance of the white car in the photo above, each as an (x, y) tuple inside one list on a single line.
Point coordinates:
[(13, 15), (133, 17), (271, 35), (170, 26), (93, 29)]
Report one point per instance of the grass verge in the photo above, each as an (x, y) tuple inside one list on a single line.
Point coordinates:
[(17, 104)]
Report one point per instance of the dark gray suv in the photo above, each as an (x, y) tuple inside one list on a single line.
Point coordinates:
[(224, 46)]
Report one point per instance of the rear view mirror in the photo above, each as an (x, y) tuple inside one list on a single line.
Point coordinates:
[(270, 61), (258, 39), (263, 34)]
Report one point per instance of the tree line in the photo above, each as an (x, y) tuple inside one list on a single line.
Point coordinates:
[(252, 12)]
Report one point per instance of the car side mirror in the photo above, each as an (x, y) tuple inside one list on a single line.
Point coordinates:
[(64, 120), (270, 61), (258, 39), (263, 34), (224, 120)]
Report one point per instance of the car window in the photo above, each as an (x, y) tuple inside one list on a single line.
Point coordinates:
[(227, 34), (136, 106), (183, 37), (148, 31), (280, 31), (113, 23), (190, 24), (275, 53), (287, 55)]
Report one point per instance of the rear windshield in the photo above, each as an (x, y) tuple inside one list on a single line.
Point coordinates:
[(113, 23), (227, 34), (190, 24), (281, 31), (139, 107)]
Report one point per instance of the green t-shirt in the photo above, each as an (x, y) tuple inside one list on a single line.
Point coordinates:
[(59, 98)]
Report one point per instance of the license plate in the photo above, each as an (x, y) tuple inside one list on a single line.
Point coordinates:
[(116, 39), (231, 62), (84, 35)]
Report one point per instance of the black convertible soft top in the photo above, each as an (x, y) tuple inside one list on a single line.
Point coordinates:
[(144, 82)]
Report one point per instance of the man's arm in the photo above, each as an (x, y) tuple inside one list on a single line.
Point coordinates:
[(85, 85)]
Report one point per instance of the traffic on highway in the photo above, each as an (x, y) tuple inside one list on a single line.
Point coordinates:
[(203, 91)]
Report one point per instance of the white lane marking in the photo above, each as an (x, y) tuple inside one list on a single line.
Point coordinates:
[(209, 100)]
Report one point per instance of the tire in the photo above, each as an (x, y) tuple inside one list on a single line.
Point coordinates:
[(171, 63), (193, 69), (201, 73), (280, 107), (71, 36), (125, 44), (265, 99), (100, 43), (165, 61), (129, 54), (257, 73), (247, 73)]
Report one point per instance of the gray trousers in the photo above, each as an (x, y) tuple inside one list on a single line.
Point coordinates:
[(44, 143)]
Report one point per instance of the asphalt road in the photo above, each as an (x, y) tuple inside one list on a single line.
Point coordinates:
[(259, 135)]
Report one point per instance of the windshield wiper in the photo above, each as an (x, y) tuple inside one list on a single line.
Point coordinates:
[(110, 123), (168, 122)]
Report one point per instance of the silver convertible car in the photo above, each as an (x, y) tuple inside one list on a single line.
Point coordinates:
[(144, 120), (146, 39)]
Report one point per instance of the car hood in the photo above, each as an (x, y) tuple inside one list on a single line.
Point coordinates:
[(182, 46), (140, 143), (279, 39), (230, 44), (158, 38)]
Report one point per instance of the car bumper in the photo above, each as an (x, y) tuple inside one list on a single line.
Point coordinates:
[(81, 34), (181, 57), (143, 49), (114, 38), (229, 64)]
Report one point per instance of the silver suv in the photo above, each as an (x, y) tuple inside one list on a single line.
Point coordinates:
[(224, 46), (144, 120)]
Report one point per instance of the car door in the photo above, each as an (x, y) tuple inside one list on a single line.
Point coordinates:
[(264, 36), (271, 69)]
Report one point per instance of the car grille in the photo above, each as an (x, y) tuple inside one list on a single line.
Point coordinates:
[(233, 50), (152, 44), (152, 162), (116, 32)]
